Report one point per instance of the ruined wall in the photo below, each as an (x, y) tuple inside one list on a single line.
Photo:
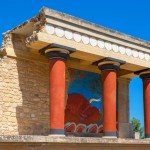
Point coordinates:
[(24, 99)]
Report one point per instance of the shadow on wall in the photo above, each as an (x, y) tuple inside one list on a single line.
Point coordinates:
[(33, 114)]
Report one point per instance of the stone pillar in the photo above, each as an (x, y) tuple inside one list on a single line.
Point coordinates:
[(146, 94), (109, 76), (57, 56), (123, 108)]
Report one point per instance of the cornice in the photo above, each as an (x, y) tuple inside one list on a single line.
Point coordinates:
[(95, 42)]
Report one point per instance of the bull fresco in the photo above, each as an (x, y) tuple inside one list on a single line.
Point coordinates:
[(83, 111)]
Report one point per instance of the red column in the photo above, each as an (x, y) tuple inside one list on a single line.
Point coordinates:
[(57, 95), (109, 102), (57, 55), (109, 89), (146, 94)]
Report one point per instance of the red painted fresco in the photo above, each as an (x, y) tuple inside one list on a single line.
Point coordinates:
[(78, 110)]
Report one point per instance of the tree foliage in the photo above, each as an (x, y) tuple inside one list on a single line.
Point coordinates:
[(136, 124)]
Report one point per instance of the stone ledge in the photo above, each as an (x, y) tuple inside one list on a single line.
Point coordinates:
[(70, 140)]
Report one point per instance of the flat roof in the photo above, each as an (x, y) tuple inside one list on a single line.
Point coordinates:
[(45, 13)]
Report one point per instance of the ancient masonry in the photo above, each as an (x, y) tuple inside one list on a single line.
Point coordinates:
[(34, 79)]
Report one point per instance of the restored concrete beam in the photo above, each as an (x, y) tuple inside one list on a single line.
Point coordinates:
[(71, 62), (44, 39)]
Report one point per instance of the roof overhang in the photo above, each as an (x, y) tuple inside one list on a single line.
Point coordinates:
[(92, 42)]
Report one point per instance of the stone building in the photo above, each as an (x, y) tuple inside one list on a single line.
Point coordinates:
[(43, 63)]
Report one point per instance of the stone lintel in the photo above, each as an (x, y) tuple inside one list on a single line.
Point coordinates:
[(85, 52)]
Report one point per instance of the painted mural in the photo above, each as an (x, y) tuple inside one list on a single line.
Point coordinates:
[(83, 113)]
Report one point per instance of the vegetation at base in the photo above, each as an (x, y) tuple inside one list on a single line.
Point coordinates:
[(136, 124)]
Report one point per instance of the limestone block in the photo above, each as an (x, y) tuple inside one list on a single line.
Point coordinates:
[(12, 119), (43, 90), (32, 115)]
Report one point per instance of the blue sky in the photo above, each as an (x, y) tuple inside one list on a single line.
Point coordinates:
[(127, 16)]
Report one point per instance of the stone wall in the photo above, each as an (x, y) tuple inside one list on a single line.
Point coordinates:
[(24, 99)]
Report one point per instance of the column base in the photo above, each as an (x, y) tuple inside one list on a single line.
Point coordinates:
[(56, 132), (111, 135), (147, 136)]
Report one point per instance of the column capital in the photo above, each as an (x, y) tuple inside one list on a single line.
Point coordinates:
[(56, 51), (110, 64), (144, 74)]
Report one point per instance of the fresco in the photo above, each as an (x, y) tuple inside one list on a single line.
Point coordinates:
[(83, 112)]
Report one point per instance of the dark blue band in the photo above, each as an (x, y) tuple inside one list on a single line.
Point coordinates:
[(109, 134), (147, 135), (56, 131)]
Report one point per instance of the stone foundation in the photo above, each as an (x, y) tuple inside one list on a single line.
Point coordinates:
[(70, 143)]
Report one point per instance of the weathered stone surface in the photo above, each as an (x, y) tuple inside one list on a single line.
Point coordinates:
[(43, 90), (24, 98), (75, 140), (123, 108)]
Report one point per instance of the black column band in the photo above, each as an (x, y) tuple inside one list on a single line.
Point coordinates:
[(56, 131), (109, 67), (109, 134), (57, 55), (147, 135), (56, 51), (145, 76)]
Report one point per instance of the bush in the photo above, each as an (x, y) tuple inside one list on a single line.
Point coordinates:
[(136, 124)]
